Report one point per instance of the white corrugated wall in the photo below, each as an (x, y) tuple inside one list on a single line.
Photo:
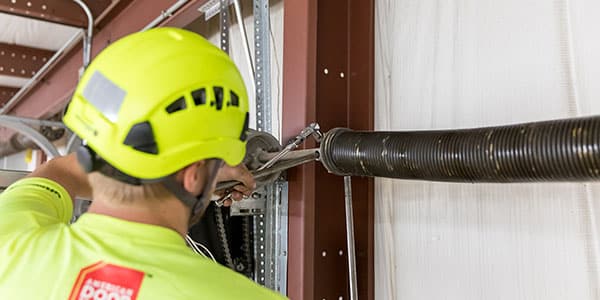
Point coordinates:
[(459, 64)]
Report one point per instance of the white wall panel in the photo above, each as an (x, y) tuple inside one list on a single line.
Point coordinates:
[(34, 33), (457, 64)]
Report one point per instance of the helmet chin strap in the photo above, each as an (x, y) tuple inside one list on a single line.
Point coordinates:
[(195, 203)]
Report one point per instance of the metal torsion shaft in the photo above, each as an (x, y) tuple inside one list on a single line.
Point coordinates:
[(558, 150)]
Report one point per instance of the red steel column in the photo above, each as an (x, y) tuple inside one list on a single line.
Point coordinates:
[(299, 65), (328, 74), (361, 115)]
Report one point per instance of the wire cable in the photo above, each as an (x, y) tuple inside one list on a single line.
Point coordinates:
[(194, 245)]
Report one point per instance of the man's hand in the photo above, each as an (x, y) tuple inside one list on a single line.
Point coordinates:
[(238, 173)]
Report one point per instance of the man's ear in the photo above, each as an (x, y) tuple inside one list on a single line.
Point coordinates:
[(193, 177)]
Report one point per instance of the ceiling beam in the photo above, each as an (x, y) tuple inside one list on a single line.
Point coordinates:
[(6, 93), (55, 11), (22, 61)]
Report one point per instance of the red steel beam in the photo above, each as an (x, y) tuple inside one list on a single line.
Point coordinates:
[(22, 61), (6, 93), (299, 109), (56, 11), (107, 16), (56, 88)]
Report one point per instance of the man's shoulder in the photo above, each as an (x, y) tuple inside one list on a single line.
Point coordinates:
[(30, 204)]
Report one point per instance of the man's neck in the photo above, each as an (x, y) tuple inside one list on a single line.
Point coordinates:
[(169, 213)]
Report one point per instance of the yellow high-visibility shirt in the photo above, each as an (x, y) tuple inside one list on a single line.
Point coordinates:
[(100, 257)]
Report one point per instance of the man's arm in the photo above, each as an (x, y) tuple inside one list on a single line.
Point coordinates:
[(42, 199), (67, 172)]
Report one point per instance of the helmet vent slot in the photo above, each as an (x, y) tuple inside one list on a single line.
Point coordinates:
[(141, 138), (218, 97), (235, 100), (199, 96), (177, 105)]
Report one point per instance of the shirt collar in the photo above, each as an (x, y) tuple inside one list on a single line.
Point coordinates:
[(103, 224)]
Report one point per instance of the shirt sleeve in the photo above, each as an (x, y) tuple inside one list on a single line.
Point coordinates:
[(31, 203)]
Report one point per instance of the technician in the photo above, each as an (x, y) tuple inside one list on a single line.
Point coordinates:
[(163, 115)]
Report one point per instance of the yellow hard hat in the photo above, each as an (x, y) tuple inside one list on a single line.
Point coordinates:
[(156, 101)]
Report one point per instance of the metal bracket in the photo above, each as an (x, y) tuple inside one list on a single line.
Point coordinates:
[(263, 123), (276, 241), (262, 58), (211, 8), (251, 206)]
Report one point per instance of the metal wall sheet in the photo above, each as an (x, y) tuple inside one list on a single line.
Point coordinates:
[(473, 63)]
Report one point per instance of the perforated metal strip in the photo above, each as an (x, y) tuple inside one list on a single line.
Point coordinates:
[(265, 244)]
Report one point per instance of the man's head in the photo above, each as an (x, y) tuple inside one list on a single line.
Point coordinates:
[(156, 102)]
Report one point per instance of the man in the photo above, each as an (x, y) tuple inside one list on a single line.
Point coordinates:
[(160, 113)]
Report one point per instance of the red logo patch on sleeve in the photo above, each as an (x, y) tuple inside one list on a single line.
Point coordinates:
[(102, 281)]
